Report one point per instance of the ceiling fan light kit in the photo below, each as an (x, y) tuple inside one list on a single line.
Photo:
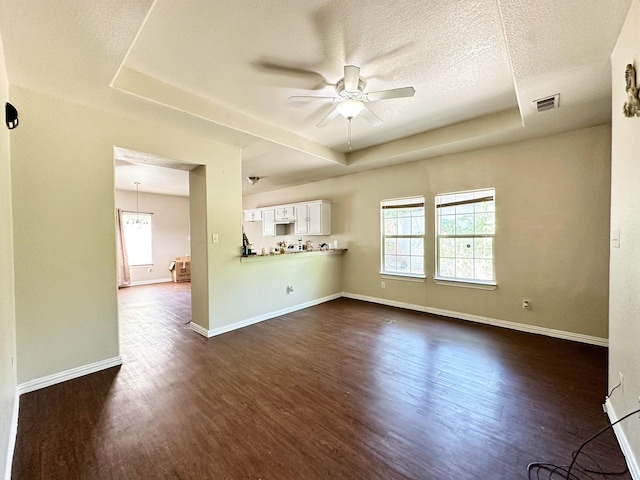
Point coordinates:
[(350, 108), (351, 99)]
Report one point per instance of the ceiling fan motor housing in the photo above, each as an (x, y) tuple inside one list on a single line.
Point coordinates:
[(357, 95)]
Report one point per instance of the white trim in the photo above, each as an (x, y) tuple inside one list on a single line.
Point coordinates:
[(43, 382), (198, 329), (403, 278), (549, 332), (150, 282), (632, 462), (260, 318), (466, 284), (13, 435)]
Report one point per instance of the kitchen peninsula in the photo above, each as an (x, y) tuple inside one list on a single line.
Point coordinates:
[(290, 255)]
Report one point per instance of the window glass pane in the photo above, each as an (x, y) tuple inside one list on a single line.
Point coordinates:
[(483, 248), (464, 224), (391, 226), (447, 211), (403, 263), (447, 247), (483, 269), (390, 263), (137, 238), (390, 213), (464, 209), (404, 246), (484, 223), (464, 268), (464, 247), (417, 247), (417, 265), (390, 246), (448, 267), (404, 226), (417, 225), (447, 225)]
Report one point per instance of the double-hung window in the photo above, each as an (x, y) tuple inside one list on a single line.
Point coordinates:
[(402, 227), (465, 231), (137, 238)]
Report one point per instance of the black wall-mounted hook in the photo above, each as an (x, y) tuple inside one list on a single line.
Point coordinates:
[(11, 116)]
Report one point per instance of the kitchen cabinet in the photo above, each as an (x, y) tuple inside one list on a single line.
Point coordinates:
[(313, 218), (284, 213), (253, 215), (269, 226)]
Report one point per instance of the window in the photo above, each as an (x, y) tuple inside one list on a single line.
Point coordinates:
[(465, 230), (137, 237), (402, 226)]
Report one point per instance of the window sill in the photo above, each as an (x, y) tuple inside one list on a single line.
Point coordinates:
[(404, 278), (466, 284)]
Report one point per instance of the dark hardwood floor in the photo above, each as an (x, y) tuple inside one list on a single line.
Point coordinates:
[(343, 390)]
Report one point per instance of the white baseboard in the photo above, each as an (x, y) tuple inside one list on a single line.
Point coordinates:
[(260, 318), (60, 377), (550, 332), (13, 434), (632, 462), (151, 282)]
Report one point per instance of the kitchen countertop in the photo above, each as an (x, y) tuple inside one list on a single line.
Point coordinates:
[(280, 256)]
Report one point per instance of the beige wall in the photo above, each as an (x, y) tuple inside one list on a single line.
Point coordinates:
[(8, 393), (624, 312), (64, 234), (170, 230), (552, 229)]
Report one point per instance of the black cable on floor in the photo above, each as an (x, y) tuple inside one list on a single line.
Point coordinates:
[(585, 473)]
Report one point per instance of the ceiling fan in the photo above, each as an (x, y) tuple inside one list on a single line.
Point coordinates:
[(351, 99)]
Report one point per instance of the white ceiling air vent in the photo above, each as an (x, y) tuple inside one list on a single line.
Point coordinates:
[(546, 103)]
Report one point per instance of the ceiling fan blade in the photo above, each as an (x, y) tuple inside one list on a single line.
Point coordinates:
[(312, 98), (295, 72), (391, 93), (325, 121), (351, 78), (370, 117)]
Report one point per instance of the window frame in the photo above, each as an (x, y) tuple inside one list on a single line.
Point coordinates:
[(417, 201), (483, 195)]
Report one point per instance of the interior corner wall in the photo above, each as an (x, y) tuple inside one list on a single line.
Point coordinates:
[(62, 175), (624, 310), (170, 231), (8, 380), (552, 244)]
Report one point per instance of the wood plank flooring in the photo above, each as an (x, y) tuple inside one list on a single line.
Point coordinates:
[(343, 390)]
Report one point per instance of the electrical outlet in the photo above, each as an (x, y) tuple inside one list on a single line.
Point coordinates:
[(526, 304), (621, 382), (289, 289), (383, 285)]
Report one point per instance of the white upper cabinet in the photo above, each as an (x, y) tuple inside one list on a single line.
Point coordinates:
[(253, 215), (313, 218), (268, 223), (284, 213)]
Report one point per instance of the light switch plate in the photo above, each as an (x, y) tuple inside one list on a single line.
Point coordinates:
[(615, 239)]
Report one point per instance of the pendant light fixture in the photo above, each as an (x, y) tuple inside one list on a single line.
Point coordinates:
[(137, 221)]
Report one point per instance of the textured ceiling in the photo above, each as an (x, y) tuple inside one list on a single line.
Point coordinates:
[(225, 69)]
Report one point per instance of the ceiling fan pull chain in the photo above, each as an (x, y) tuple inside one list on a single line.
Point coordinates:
[(350, 133)]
